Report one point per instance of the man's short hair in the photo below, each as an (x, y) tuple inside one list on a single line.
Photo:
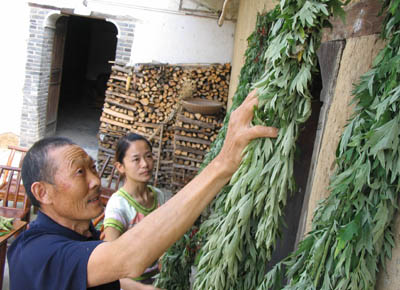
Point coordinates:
[(37, 166)]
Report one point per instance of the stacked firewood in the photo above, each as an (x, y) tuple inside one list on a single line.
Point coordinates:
[(194, 134), (146, 99)]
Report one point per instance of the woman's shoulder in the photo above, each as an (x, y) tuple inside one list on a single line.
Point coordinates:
[(119, 207), (117, 199)]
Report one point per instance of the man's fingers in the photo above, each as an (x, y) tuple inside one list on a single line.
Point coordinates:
[(245, 110), (262, 131), (251, 99)]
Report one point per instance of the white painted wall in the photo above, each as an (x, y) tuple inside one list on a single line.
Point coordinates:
[(181, 39), (163, 34), (14, 25)]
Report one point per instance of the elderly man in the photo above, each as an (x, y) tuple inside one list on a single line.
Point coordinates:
[(61, 249)]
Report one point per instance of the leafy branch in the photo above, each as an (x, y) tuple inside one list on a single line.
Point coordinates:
[(242, 230), (352, 228)]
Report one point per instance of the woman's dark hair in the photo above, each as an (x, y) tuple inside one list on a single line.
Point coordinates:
[(125, 142), (37, 166)]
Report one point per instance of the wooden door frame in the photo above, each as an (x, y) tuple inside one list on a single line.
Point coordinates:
[(56, 75)]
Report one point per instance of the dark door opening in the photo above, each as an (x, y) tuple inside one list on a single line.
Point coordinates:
[(302, 163), (89, 46)]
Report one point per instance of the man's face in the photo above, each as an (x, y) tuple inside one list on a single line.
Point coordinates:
[(75, 190)]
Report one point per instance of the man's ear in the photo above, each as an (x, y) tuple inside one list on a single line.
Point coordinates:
[(41, 192), (120, 167)]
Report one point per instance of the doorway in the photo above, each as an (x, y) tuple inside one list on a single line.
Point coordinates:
[(89, 45), (286, 243)]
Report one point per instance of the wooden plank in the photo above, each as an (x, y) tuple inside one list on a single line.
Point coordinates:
[(118, 115), (118, 86), (188, 158), (195, 122), (362, 18), (191, 150), (186, 167), (193, 140), (119, 95), (151, 125), (119, 68), (197, 131), (106, 150), (114, 102), (116, 123)]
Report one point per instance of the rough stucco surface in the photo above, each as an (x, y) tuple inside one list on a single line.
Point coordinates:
[(246, 23), (357, 57), (390, 279)]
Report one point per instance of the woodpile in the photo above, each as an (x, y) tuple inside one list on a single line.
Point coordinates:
[(145, 99), (194, 134)]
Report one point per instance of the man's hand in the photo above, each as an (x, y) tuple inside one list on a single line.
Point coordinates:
[(129, 284), (241, 132)]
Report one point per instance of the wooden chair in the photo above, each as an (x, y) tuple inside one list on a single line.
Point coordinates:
[(111, 185), (15, 152), (15, 203)]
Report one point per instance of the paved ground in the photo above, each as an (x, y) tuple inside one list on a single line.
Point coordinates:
[(80, 123)]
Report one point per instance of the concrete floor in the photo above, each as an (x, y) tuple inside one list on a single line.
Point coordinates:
[(80, 122)]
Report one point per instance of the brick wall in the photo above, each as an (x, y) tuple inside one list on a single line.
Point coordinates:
[(125, 41), (38, 64), (37, 71)]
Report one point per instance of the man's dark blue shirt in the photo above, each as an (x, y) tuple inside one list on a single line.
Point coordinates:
[(50, 256)]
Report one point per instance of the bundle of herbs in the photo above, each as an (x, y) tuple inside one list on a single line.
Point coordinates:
[(177, 261), (352, 229), (241, 233)]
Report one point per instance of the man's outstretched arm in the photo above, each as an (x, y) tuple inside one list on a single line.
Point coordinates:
[(135, 250)]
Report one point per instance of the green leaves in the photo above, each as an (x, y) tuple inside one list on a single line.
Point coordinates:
[(309, 13), (301, 80), (346, 234), (351, 232), (384, 137), (250, 214)]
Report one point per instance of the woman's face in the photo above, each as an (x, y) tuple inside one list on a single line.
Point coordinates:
[(137, 165)]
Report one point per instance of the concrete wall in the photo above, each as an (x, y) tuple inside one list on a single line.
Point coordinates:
[(246, 23)]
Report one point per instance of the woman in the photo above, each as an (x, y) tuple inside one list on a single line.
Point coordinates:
[(136, 198)]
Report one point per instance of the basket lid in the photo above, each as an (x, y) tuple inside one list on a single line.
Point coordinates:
[(202, 106)]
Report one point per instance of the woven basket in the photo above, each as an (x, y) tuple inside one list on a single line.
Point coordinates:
[(202, 106)]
